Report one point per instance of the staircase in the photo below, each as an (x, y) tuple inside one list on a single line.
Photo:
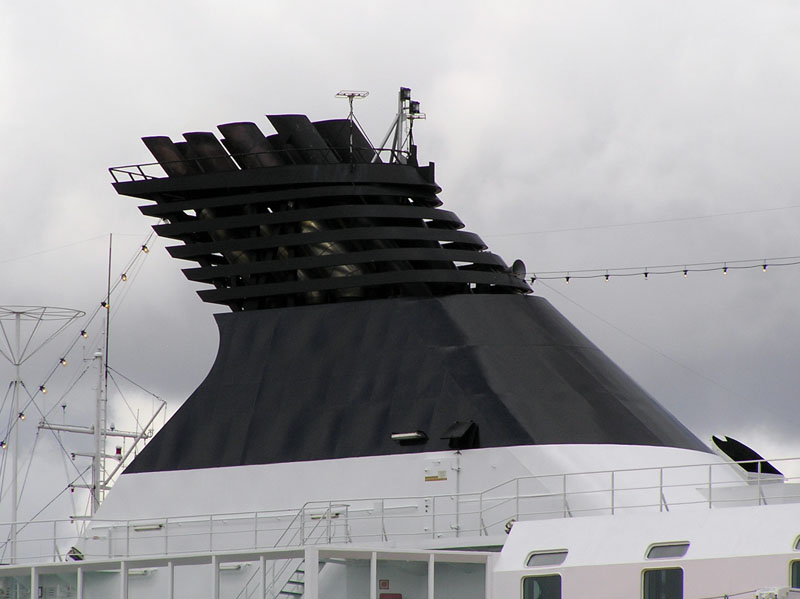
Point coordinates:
[(288, 576), (295, 586)]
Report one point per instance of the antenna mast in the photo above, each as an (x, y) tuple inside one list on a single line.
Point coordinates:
[(403, 150), (17, 350)]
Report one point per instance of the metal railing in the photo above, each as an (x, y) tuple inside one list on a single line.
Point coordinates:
[(155, 170), (414, 519)]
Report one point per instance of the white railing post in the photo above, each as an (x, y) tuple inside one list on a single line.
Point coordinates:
[(255, 530), (612, 492), (564, 493), (481, 525), (211, 533), (433, 516), (517, 498), (383, 519), (758, 482), (303, 525), (330, 518), (166, 536), (55, 541), (661, 489), (710, 501)]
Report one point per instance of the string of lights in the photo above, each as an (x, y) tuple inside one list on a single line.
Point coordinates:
[(723, 267), (131, 266)]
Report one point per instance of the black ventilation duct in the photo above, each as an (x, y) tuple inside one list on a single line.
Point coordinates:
[(462, 435)]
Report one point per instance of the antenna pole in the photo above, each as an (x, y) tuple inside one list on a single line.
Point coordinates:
[(97, 459), (351, 95), (15, 438)]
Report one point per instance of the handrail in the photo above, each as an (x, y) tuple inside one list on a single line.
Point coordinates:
[(137, 172), (383, 519)]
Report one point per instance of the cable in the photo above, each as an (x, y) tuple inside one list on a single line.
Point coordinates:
[(55, 249), (647, 345), (668, 269), (644, 222), (134, 383), (728, 595)]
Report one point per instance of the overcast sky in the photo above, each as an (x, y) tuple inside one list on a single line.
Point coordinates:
[(555, 127)]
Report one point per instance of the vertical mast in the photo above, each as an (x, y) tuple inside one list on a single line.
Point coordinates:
[(99, 437), (15, 438)]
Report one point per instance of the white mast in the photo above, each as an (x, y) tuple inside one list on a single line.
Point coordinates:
[(98, 461)]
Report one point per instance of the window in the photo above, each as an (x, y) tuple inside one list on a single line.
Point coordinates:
[(547, 558), (541, 587), (795, 574), (666, 583), (667, 550)]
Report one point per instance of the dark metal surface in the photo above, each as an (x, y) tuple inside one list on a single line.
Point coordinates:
[(334, 381), (323, 219), (290, 229), (248, 146)]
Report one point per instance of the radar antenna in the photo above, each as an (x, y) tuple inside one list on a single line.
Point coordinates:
[(351, 95)]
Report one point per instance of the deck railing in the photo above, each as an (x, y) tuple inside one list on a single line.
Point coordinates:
[(156, 170), (416, 519)]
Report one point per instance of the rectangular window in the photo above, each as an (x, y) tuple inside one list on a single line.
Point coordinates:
[(666, 583), (541, 587), (796, 574), (547, 558), (667, 550)]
